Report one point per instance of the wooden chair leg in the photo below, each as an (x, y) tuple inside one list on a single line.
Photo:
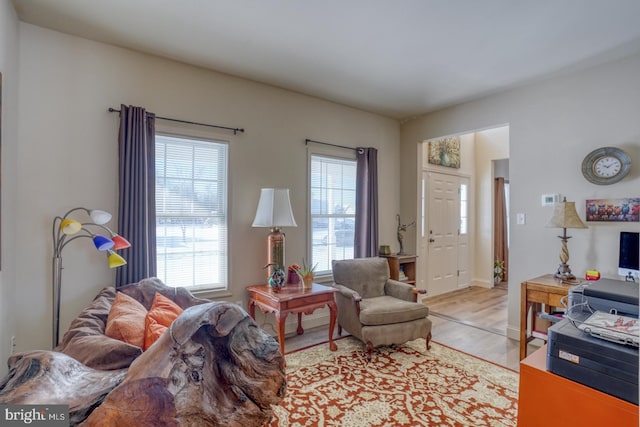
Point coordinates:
[(369, 350), (429, 341)]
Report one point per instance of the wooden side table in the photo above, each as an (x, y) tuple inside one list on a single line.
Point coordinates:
[(545, 398), (293, 299), (547, 290), (406, 263)]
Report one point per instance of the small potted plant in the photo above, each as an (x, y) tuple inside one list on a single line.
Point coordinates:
[(498, 271), (306, 273)]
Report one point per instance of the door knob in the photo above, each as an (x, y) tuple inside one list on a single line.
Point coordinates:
[(431, 240)]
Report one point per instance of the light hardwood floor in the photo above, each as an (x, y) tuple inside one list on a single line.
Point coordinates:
[(472, 320)]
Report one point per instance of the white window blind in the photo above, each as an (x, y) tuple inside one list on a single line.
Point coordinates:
[(191, 212), (333, 210)]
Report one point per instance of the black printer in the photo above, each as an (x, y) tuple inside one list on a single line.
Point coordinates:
[(602, 364)]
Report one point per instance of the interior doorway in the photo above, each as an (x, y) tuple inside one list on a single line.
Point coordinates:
[(484, 155)]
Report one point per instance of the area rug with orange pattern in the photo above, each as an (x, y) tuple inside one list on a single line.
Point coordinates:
[(403, 385)]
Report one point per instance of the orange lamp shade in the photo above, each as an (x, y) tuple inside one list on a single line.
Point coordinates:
[(120, 242)]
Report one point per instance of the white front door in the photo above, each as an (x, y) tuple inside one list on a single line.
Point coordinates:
[(445, 240)]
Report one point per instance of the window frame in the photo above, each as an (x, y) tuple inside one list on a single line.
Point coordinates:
[(329, 153), (207, 137)]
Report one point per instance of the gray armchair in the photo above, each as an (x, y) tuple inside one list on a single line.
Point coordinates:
[(376, 309)]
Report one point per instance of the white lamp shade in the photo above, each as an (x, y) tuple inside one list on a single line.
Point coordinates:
[(565, 216), (274, 209), (100, 217)]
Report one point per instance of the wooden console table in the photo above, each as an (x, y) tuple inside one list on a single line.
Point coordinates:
[(293, 299), (404, 263), (545, 398), (545, 290)]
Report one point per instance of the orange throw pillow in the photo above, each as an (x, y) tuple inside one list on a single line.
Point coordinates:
[(126, 320), (162, 313)]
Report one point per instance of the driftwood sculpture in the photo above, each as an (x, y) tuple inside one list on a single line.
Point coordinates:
[(53, 378), (213, 367)]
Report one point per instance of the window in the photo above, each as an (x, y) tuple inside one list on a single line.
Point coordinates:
[(464, 210), (191, 212), (333, 210)]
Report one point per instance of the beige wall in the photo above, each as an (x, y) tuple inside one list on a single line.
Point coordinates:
[(490, 145), (9, 139), (552, 125), (68, 156)]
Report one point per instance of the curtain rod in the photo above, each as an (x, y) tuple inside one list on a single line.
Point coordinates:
[(235, 130), (358, 149)]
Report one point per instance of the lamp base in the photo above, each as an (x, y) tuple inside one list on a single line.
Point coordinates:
[(564, 272), (275, 248)]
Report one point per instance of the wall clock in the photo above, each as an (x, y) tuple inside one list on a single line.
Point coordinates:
[(606, 165)]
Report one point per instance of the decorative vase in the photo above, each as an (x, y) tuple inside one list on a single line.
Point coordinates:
[(307, 281), (276, 280)]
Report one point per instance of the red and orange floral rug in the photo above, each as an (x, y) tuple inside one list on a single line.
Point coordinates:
[(402, 386)]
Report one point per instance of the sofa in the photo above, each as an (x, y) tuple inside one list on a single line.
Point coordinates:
[(211, 366)]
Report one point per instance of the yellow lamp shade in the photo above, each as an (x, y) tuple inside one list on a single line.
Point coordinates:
[(115, 260), (70, 226)]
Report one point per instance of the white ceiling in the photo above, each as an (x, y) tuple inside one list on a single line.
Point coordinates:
[(399, 58)]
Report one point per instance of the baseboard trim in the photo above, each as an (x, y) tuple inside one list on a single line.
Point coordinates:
[(513, 333)]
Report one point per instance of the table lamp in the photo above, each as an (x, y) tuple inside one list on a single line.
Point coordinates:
[(274, 211), (565, 216)]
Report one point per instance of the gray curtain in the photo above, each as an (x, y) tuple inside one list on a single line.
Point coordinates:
[(366, 226), (137, 210)]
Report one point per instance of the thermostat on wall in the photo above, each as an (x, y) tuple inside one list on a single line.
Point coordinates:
[(550, 199)]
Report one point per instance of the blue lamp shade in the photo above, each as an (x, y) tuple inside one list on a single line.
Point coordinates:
[(102, 243)]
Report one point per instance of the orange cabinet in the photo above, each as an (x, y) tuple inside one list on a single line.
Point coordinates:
[(549, 399)]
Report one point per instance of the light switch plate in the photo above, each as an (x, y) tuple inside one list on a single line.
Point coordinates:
[(520, 219)]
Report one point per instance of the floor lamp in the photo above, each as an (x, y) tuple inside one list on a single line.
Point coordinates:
[(565, 216), (65, 230), (274, 211)]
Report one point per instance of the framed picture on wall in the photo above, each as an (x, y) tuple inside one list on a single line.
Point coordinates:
[(613, 210), (445, 152)]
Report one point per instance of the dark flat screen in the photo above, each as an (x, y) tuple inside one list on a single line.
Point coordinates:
[(629, 250)]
